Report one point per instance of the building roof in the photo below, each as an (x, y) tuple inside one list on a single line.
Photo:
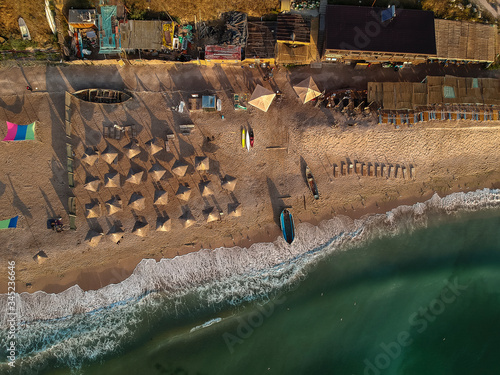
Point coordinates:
[(141, 34), (435, 91), (109, 32), (223, 52), (460, 40), (361, 29), (82, 16), (261, 40), (293, 28)]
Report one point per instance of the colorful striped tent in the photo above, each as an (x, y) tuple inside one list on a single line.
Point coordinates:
[(9, 223), (20, 132)]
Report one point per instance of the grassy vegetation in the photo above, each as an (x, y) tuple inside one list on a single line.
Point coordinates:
[(456, 10), (17, 44)]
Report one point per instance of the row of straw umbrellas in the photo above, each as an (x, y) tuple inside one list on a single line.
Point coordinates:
[(134, 176), (163, 224), (138, 202)]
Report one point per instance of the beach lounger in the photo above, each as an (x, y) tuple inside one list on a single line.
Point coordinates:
[(72, 205), (69, 150), (72, 222), (71, 180), (68, 128), (69, 163)]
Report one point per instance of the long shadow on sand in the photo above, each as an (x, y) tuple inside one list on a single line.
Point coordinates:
[(276, 202), (17, 202)]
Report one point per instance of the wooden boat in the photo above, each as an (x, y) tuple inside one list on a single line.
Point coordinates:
[(24, 29), (248, 141), (50, 17), (287, 226), (311, 183), (243, 138), (251, 138)]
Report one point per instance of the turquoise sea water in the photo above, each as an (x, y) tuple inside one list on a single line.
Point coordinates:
[(425, 301)]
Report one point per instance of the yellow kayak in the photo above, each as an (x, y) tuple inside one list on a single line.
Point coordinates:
[(243, 138)]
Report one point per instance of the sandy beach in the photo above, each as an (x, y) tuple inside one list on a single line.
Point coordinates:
[(446, 156)]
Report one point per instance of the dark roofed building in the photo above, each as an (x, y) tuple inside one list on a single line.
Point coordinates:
[(293, 28), (358, 33)]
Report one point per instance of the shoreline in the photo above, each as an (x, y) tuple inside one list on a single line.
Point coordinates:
[(267, 267), (270, 176), (112, 274)]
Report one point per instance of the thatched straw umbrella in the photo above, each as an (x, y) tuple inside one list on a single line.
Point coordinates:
[(114, 205), (180, 168), (205, 188), (161, 197), (134, 177), (90, 156), (40, 257), (163, 224), (261, 98), (93, 209), (212, 214), (157, 172), (115, 233), (228, 183), (109, 154), (92, 183), (137, 202), (131, 149), (202, 163), (141, 229), (187, 219), (112, 180), (234, 210), (153, 146), (307, 90), (93, 238), (183, 192)]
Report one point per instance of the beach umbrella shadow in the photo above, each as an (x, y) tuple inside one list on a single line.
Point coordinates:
[(276, 202)]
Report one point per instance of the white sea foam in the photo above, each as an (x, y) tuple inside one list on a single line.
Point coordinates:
[(75, 326)]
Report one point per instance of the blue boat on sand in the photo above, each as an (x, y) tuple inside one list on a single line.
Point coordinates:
[(287, 227)]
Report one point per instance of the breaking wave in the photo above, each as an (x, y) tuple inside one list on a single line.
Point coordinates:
[(77, 327)]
